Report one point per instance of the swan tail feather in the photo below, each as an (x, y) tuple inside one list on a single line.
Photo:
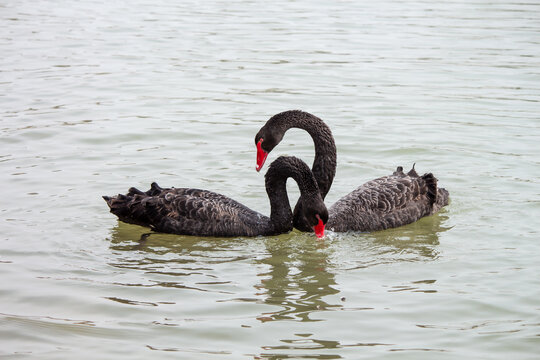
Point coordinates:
[(399, 171), (155, 190), (431, 184), (413, 172), (122, 206), (131, 208), (443, 198), (135, 191)]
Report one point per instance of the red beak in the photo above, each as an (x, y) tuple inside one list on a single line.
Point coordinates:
[(261, 156), (319, 228)]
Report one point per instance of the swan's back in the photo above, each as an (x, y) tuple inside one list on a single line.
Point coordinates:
[(188, 211), (387, 202)]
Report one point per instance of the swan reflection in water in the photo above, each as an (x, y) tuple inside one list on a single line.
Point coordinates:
[(297, 279), (414, 242), (297, 273), (289, 277)]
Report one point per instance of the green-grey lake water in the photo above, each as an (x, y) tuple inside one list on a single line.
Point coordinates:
[(99, 96)]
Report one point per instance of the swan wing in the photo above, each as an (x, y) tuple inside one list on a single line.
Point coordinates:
[(389, 201), (187, 211)]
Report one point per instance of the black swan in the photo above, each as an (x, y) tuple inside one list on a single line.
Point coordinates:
[(204, 213), (383, 203)]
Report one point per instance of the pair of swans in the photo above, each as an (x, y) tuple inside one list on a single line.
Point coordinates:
[(389, 201)]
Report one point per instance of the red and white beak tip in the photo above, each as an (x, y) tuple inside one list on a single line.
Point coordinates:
[(319, 228), (261, 156)]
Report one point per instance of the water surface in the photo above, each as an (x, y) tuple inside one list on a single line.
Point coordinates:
[(98, 97)]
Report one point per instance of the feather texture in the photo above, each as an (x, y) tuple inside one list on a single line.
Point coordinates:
[(387, 202)]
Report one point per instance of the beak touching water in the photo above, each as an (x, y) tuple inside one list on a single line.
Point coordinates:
[(319, 228), (261, 156)]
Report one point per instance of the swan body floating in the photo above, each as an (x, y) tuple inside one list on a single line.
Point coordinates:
[(386, 202), (198, 212)]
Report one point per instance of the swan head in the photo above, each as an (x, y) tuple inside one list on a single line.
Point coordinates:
[(265, 140)]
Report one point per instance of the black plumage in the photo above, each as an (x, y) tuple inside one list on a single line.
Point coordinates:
[(382, 203), (198, 212)]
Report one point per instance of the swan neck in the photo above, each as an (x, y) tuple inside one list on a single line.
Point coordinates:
[(279, 171), (280, 207), (324, 163)]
